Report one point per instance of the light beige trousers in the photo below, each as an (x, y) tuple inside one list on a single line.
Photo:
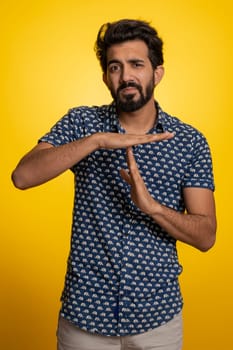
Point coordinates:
[(166, 337)]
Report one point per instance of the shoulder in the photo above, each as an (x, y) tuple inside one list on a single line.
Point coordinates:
[(181, 128), (94, 118), (92, 111)]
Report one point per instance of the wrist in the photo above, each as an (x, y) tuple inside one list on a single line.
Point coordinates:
[(96, 141), (155, 209)]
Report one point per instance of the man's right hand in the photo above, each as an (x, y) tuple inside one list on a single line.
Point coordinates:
[(44, 162), (115, 140)]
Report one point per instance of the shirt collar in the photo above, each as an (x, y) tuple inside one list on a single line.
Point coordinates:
[(159, 126)]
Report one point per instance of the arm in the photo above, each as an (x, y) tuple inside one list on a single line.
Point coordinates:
[(44, 162), (197, 227)]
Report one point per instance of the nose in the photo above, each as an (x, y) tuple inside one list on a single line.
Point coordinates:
[(126, 74)]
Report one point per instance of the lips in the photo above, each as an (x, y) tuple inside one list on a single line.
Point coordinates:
[(129, 89), (128, 86)]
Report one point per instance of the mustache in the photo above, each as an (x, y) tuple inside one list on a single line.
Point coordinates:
[(126, 84)]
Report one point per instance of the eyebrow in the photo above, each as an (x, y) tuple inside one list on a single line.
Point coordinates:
[(113, 61), (132, 60)]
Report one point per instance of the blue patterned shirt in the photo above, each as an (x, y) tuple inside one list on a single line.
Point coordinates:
[(123, 269)]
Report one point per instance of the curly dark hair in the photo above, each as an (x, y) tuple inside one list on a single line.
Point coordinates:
[(124, 30)]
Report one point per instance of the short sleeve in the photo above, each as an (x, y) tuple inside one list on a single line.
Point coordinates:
[(69, 128), (200, 170)]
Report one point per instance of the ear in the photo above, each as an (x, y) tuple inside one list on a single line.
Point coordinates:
[(158, 74)]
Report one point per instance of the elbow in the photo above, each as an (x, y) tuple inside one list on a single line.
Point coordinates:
[(18, 181), (209, 237), (208, 244), (206, 247)]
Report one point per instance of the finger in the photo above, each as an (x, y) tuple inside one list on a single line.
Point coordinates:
[(125, 176), (136, 180), (141, 139), (162, 136), (132, 165), (130, 158)]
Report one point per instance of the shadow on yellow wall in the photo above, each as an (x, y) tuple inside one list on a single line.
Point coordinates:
[(48, 65)]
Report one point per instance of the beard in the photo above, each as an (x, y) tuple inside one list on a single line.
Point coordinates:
[(128, 104)]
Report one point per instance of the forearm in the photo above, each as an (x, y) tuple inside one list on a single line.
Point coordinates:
[(45, 163), (194, 229)]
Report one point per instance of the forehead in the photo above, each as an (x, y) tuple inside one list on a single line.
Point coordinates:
[(133, 49)]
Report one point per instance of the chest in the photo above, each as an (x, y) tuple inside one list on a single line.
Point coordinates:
[(161, 165)]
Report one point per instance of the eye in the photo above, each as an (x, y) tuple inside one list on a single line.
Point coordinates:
[(114, 68), (137, 64)]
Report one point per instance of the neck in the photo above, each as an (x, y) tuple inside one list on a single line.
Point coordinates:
[(140, 121)]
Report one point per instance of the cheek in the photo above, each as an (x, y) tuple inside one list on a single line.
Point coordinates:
[(109, 80), (113, 84)]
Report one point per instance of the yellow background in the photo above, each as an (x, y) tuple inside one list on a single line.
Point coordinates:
[(47, 66)]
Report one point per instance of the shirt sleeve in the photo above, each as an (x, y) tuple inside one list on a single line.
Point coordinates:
[(200, 170), (69, 128)]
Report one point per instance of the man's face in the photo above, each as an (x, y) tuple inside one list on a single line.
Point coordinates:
[(130, 76)]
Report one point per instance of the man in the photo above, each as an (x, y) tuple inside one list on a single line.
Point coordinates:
[(143, 180)]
